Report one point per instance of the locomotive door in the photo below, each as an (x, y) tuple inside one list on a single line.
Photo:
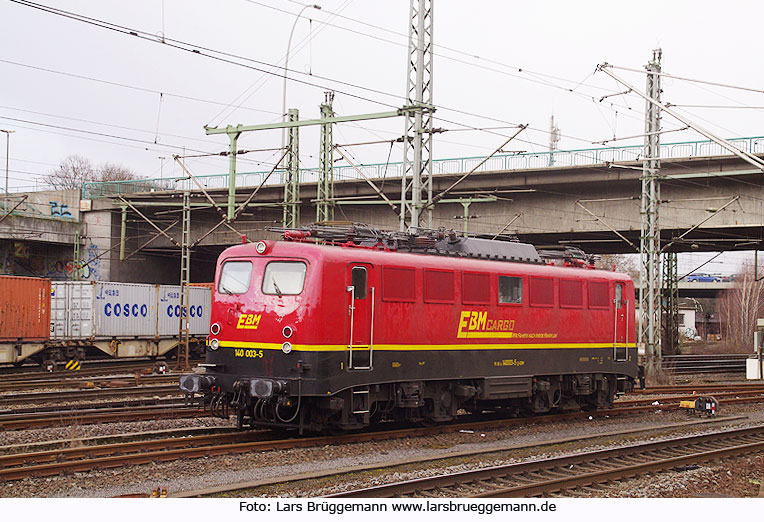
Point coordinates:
[(621, 324), (360, 290)]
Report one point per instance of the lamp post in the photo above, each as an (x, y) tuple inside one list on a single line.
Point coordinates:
[(286, 66), (7, 151)]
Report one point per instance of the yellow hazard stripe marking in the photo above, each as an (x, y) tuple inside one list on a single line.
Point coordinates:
[(422, 347)]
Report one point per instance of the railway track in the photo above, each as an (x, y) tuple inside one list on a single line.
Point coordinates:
[(70, 408), (700, 388), (84, 382), (58, 397), (704, 364), (51, 419), (172, 449), (565, 474), (85, 411), (88, 366), (91, 368)]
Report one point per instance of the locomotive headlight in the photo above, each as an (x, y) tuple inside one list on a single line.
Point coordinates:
[(286, 347), (214, 344), (215, 328), (287, 331), (260, 247)]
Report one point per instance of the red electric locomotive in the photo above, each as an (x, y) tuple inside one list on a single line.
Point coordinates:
[(409, 327)]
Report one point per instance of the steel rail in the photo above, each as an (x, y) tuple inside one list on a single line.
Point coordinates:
[(53, 419), (624, 472), (699, 388), (90, 367), (169, 454), (79, 406), (548, 475), (89, 394), (80, 382), (121, 448), (670, 399)]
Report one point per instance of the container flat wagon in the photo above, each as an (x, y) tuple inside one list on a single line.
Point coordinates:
[(117, 319)]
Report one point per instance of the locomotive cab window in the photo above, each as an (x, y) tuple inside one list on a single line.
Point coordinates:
[(284, 278), (618, 296), (235, 277), (510, 289), (358, 280)]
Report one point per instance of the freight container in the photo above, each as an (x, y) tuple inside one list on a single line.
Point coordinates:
[(101, 310), (168, 311), (24, 317), (24, 308), (66, 319)]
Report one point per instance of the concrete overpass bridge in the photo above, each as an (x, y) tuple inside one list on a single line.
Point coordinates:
[(711, 201), (701, 290)]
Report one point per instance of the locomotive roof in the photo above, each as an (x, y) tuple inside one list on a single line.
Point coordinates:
[(341, 253)]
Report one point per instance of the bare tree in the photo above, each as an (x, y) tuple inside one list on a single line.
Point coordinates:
[(113, 172), (739, 308), (75, 170), (71, 173), (622, 263)]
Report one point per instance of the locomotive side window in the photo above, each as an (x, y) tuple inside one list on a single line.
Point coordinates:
[(618, 296), (358, 278), (398, 284), (284, 278), (476, 288), (571, 293), (598, 294), (235, 277), (438, 286), (542, 291), (510, 289)]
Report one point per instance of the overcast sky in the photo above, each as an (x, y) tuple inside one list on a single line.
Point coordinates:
[(70, 87)]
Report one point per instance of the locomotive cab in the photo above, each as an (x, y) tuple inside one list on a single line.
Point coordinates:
[(260, 301)]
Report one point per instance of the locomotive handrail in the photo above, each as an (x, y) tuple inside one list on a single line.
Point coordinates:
[(351, 312), (371, 332)]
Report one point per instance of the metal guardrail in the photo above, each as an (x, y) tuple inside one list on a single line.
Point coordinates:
[(525, 160)]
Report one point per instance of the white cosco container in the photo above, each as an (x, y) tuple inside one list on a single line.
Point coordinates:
[(168, 311), (100, 310)]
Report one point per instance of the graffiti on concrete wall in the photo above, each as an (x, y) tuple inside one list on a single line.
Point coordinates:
[(52, 261), (20, 250), (58, 209), (93, 269), (60, 269)]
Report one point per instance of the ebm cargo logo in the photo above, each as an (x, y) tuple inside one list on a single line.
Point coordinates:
[(474, 324), (249, 321)]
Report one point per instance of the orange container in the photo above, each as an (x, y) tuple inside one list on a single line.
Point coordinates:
[(24, 308), (204, 285)]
